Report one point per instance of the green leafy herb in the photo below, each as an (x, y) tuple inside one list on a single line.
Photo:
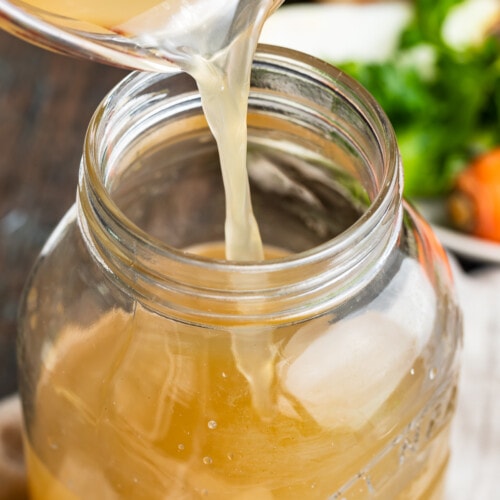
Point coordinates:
[(444, 103)]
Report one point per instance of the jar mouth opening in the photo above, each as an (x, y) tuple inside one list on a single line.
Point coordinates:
[(331, 78)]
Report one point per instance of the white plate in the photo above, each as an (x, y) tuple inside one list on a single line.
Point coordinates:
[(346, 32), (476, 249)]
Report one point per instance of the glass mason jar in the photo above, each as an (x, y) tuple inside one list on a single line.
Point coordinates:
[(152, 368)]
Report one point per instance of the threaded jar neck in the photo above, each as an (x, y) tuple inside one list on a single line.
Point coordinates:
[(330, 114)]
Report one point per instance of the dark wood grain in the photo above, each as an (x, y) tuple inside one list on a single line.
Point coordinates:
[(46, 101)]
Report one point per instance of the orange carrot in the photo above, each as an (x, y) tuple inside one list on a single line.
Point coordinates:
[(474, 204)]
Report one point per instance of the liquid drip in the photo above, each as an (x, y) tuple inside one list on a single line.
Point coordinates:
[(220, 60), (215, 42)]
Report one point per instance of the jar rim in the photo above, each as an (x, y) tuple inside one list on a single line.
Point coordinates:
[(146, 248), (297, 61)]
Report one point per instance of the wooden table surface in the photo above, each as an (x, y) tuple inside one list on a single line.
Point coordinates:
[(46, 101)]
